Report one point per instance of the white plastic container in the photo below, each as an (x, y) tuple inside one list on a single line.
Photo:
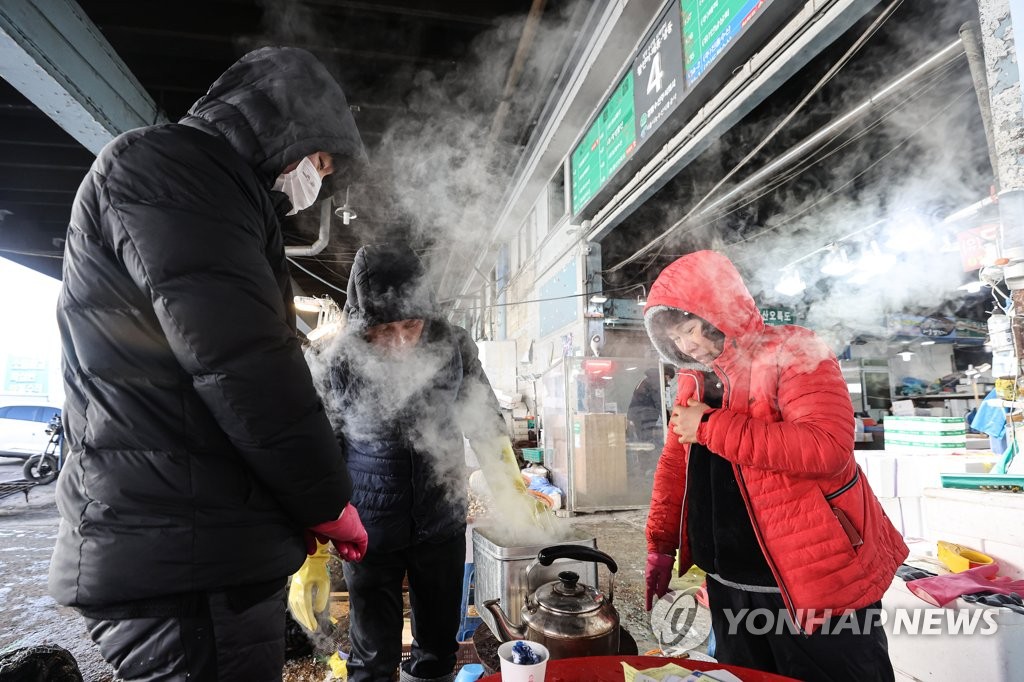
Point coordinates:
[(995, 657)]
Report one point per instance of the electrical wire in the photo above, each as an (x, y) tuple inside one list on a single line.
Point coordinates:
[(316, 277), (785, 176), (829, 75), (324, 261), (817, 157), (552, 298), (781, 179), (863, 172)]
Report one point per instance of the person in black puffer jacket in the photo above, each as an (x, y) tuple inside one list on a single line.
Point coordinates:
[(403, 386), (200, 453)]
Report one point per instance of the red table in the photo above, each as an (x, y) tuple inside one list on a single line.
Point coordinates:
[(609, 669)]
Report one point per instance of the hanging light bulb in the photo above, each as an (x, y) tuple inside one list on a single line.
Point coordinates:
[(345, 211), (906, 355), (308, 304), (837, 263), (791, 283), (873, 262)]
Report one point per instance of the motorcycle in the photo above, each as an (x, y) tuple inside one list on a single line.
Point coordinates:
[(44, 467)]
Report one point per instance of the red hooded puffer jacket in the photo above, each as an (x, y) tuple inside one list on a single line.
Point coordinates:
[(787, 426)]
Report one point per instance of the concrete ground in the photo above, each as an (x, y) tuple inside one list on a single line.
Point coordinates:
[(28, 616)]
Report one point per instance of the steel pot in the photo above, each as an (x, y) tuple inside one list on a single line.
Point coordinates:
[(569, 618)]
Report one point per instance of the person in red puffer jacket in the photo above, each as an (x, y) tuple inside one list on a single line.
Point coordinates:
[(757, 484)]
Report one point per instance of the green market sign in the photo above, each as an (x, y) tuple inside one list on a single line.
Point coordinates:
[(777, 316), (711, 26), (685, 41)]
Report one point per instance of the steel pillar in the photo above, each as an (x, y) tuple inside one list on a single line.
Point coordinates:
[(58, 59)]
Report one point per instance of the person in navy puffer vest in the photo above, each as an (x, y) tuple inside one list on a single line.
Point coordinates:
[(403, 389)]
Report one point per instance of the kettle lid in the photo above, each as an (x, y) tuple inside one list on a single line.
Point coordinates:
[(567, 595)]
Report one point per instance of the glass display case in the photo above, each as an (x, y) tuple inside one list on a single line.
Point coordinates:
[(869, 383), (604, 422)]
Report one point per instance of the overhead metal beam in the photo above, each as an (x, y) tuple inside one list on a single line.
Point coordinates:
[(58, 59)]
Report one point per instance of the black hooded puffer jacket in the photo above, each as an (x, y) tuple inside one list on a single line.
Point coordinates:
[(199, 449), (403, 433)]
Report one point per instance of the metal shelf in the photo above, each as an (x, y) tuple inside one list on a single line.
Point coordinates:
[(935, 396)]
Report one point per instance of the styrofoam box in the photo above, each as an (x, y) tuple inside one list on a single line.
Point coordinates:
[(881, 473), (925, 445), (903, 407), (996, 657), (915, 472), (891, 507), (925, 433), (991, 522), (926, 425), (912, 513), (861, 458)]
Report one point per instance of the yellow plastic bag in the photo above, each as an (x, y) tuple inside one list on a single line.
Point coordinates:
[(336, 663)]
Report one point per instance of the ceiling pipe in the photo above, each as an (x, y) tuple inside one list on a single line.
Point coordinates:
[(950, 52), (516, 70), (972, 210), (953, 51), (322, 239), (504, 106), (970, 34)]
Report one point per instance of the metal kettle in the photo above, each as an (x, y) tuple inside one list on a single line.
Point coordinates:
[(569, 618)]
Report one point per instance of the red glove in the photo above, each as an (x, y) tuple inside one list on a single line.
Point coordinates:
[(346, 532), (942, 589), (658, 574)]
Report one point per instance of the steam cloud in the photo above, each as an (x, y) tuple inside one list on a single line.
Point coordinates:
[(401, 390), (443, 171), (926, 159)]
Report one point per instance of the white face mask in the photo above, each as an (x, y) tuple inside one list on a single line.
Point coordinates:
[(301, 185)]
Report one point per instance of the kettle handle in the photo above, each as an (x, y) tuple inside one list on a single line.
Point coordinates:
[(579, 552), (546, 557)]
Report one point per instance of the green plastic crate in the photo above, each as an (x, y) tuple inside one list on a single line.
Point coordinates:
[(1002, 482), (533, 455)]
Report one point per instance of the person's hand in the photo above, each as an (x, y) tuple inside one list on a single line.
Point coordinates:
[(310, 589), (346, 532), (686, 420), (658, 574)]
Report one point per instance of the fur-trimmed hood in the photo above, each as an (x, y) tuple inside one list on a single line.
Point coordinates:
[(705, 284)]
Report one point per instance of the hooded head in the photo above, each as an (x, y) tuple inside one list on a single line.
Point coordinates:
[(276, 106), (704, 285), (386, 284)]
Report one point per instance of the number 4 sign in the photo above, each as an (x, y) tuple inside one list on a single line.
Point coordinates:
[(659, 65)]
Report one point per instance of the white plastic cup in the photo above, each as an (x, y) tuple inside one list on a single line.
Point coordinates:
[(511, 672)]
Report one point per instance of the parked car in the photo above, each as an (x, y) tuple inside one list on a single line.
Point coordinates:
[(23, 429)]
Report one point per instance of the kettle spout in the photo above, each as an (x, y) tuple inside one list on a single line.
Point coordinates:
[(506, 630)]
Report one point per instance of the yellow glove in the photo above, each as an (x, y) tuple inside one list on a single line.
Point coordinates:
[(510, 466), (311, 588), (507, 474)]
